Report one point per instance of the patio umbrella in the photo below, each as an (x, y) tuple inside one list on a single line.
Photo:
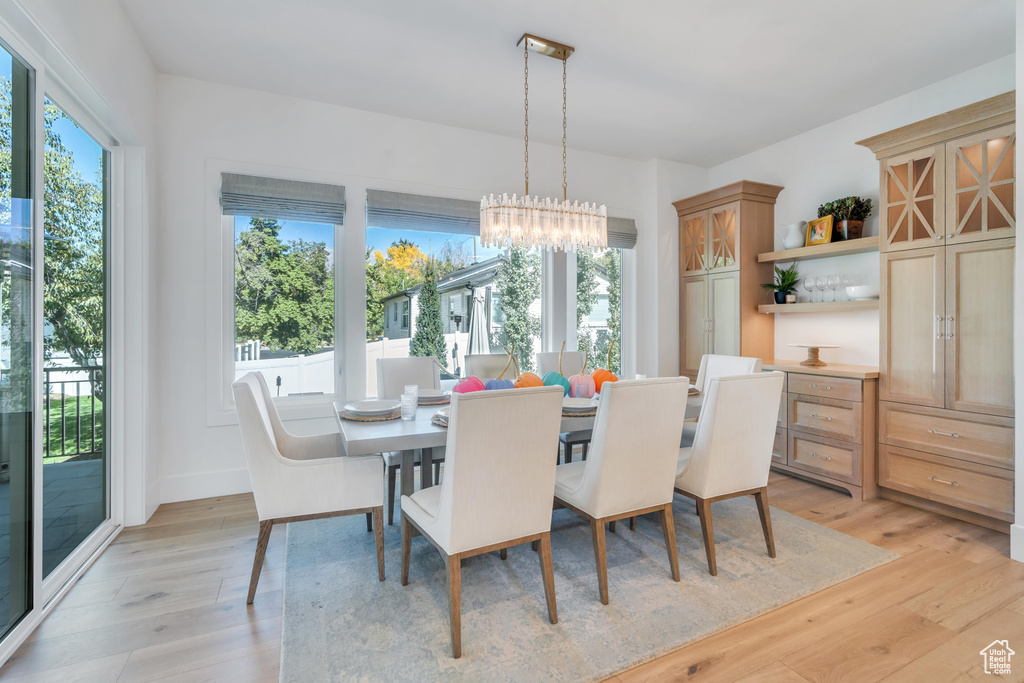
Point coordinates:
[(479, 341)]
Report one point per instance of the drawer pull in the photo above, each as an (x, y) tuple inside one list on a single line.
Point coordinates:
[(821, 417), (826, 457), (952, 434), (943, 481), (815, 386)]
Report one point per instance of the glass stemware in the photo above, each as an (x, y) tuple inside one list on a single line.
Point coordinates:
[(809, 286), (820, 283), (849, 280), (833, 284)]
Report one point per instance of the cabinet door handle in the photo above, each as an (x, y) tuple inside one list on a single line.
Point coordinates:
[(821, 417), (943, 481), (938, 326), (815, 386), (949, 327), (952, 434), (824, 457)]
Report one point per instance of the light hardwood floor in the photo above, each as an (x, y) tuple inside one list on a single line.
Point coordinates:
[(166, 601)]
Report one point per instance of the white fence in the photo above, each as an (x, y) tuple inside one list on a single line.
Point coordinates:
[(399, 348), (299, 374)]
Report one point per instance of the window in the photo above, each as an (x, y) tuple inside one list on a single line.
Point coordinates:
[(413, 239), (599, 307), (283, 281)]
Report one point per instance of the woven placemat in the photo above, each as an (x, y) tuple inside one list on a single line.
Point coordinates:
[(435, 401), (439, 422), (352, 417), (694, 392), (589, 413)]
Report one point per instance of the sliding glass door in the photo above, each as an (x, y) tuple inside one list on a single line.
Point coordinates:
[(75, 457), (16, 341)]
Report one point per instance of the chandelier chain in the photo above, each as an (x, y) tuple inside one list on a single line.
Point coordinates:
[(564, 184), (526, 114)]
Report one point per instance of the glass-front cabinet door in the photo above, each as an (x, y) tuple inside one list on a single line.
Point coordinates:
[(981, 178), (724, 245), (693, 243), (911, 214)]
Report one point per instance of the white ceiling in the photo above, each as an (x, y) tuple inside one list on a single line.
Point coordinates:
[(695, 81)]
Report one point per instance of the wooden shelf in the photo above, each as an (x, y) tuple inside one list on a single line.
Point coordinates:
[(822, 307), (857, 246)]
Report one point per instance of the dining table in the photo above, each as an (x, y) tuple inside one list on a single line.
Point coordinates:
[(409, 436)]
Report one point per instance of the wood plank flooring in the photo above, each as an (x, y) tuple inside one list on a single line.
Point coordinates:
[(166, 602)]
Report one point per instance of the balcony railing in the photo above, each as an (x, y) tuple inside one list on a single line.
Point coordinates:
[(73, 413)]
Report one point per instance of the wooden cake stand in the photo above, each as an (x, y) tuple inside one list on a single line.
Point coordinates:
[(812, 354)]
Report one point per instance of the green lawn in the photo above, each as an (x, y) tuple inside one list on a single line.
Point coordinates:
[(71, 405)]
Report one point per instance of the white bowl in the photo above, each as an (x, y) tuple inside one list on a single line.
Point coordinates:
[(862, 292)]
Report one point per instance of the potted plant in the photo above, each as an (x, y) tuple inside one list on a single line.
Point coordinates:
[(849, 214), (785, 282)]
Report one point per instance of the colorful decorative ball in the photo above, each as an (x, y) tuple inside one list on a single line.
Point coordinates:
[(469, 384)]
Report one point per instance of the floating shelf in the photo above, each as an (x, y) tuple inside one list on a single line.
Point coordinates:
[(822, 307), (857, 246)]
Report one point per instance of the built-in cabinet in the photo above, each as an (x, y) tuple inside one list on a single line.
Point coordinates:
[(947, 220), (721, 232), (826, 426)]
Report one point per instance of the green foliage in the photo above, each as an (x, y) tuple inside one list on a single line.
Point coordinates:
[(846, 209), (612, 260), (518, 286), (71, 407), (429, 337), (786, 280), (284, 293), (586, 297)]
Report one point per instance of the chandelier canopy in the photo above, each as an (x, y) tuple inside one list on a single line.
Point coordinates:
[(532, 221)]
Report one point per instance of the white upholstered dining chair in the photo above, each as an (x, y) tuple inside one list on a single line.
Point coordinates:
[(497, 488), (393, 374), (632, 463), (716, 365), (732, 449), (487, 365), (297, 478)]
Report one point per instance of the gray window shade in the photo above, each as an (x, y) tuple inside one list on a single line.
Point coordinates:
[(621, 233), (279, 199), (400, 211)]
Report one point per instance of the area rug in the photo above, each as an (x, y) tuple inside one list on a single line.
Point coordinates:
[(342, 624)]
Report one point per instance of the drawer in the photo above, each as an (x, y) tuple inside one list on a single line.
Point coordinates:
[(984, 439), (969, 486), (783, 411), (780, 447), (825, 456), (827, 417), (826, 387)]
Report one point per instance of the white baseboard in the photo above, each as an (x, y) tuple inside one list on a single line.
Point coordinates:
[(1017, 542), (204, 485)]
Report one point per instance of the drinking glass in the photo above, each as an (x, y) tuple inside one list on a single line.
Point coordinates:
[(809, 286), (408, 402), (413, 390), (820, 283), (849, 280), (833, 284)]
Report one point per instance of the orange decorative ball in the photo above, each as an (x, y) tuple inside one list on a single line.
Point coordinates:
[(601, 376), (528, 379)]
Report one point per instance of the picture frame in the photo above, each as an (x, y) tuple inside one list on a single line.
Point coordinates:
[(819, 231)]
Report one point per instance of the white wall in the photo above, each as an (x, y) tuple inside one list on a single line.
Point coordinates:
[(93, 53), (203, 125), (824, 164), (1017, 530)]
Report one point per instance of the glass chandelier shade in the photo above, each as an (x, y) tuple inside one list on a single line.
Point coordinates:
[(531, 221)]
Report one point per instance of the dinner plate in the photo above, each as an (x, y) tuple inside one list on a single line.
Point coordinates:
[(444, 413), (433, 393), (373, 407), (578, 405)]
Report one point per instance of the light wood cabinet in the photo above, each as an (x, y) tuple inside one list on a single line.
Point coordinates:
[(947, 271), (721, 232)]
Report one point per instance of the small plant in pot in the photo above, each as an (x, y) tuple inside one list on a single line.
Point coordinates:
[(849, 214), (785, 282)]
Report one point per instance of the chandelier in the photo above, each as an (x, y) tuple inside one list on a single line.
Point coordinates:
[(532, 221)]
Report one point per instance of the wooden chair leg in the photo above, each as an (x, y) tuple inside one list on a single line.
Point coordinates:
[(455, 603), (535, 546), (378, 528), (611, 526), (369, 522), (406, 545), (585, 445), (668, 528), (392, 471), (766, 520), (503, 553), (704, 510), (597, 532), (568, 453), (257, 562), (548, 571), (632, 523)]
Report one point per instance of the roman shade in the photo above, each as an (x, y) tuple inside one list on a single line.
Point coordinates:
[(280, 199), (621, 233), (400, 211)]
